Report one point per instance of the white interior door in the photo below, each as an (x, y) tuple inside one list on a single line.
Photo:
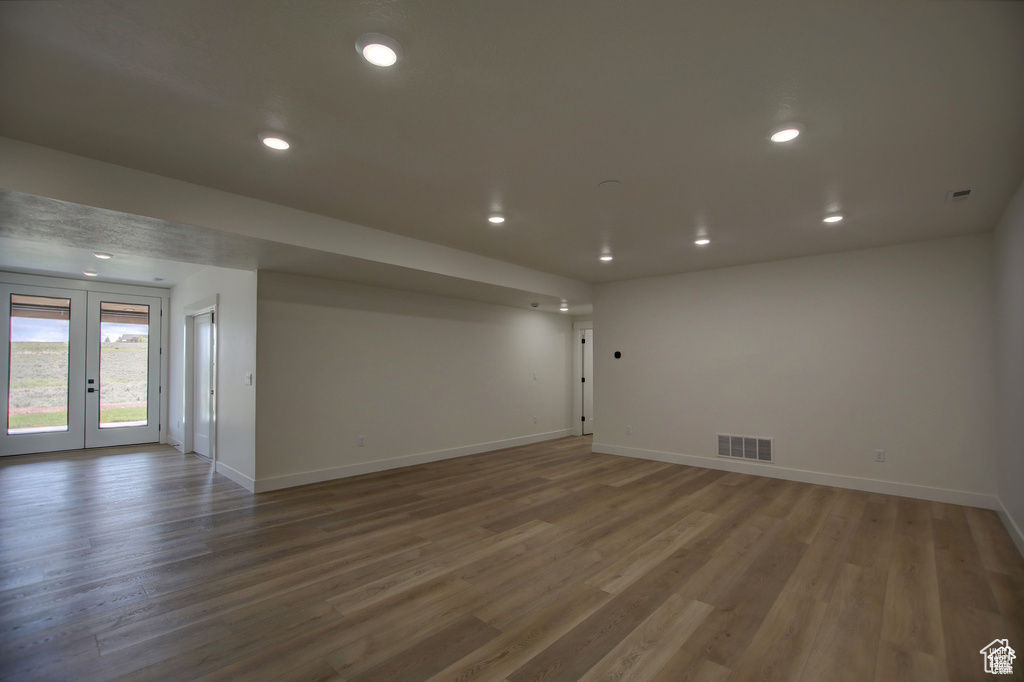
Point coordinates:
[(202, 383), (588, 381), (43, 364), (122, 391)]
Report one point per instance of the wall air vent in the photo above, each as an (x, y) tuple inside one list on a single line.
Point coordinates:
[(753, 448), (958, 195)]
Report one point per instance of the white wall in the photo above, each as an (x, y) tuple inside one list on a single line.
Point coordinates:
[(236, 355), (421, 377), (1010, 338), (833, 356)]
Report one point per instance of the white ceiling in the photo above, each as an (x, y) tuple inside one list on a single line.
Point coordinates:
[(524, 107)]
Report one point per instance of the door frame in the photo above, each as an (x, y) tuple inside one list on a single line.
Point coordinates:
[(191, 311), (45, 281), (577, 375)]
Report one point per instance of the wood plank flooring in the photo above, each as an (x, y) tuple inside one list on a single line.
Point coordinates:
[(544, 562)]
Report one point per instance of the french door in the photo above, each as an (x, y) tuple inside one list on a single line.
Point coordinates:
[(81, 369)]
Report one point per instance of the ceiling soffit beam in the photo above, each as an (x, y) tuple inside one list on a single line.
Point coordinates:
[(44, 172)]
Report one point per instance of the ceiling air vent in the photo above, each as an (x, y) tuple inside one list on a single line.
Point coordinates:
[(746, 447), (957, 195)]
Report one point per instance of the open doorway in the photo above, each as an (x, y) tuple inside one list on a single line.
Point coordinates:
[(199, 412), (202, 383)]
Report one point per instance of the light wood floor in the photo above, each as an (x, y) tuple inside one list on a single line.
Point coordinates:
[(543, 562)]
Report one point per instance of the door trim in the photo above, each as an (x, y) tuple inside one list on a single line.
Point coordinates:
[(577, 375), (191, 311)]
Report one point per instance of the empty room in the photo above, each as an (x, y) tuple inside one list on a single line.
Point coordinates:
[(460, 340)]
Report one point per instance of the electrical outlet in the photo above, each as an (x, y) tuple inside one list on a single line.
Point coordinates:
[(362, 441), (629, 430), (879, 455), (247, 380), (534, 419)]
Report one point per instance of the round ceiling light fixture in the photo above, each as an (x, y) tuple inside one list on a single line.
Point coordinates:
[(832, 219), (496, 219), (274, 141), (379, 49), (90, 273), (564, 307), (606, 257), (102, 256), (703, 241), (785, 133)]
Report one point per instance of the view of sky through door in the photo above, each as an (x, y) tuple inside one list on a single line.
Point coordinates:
[(38, 381), (124, 364)]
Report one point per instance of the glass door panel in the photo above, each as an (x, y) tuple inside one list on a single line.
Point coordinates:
[(43, 364), (124, 365), (37, 398), (122, 398)]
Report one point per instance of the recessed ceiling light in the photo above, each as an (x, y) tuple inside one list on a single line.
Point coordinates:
[(274, 141), (102, 256), (784, 133), (606, 258), (833, 218), (496, 219), (608, 184), (379, 49), (703, 241), (158, 279), (90, 273)]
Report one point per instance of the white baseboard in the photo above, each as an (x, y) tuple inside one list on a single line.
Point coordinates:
[(236, 476), (306, 477), (1011, 526), (870, 485)]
